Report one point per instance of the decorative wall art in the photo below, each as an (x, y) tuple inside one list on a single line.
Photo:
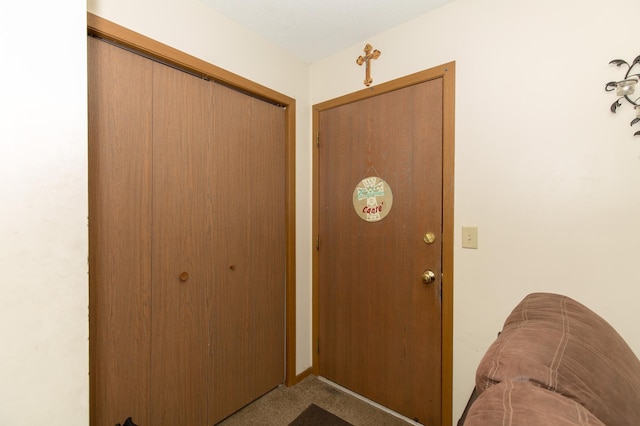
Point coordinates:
[(372, 199), (626, 87), (369, 54)]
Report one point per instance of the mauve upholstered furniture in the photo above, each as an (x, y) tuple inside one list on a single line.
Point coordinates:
[(556, 363)]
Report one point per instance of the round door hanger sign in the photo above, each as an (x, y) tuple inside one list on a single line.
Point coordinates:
[(372, 199)]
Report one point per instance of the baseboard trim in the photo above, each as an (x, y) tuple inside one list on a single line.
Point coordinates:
[(370, 402), (300, 377)]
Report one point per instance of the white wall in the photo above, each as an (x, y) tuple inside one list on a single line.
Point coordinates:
[(43, 214), (549, 175)]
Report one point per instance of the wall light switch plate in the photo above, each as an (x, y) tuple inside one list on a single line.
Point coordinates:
[(470, 237)]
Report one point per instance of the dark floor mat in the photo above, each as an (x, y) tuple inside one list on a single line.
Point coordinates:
[(317, 416)]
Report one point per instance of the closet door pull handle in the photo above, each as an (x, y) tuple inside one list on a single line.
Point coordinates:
[(184, 276)]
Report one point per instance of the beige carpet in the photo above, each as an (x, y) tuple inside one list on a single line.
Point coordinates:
[(282, 405)]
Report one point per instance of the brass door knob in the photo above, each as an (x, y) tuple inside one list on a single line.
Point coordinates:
[(428, 276), (184, 276)]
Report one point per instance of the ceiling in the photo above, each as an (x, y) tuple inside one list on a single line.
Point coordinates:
[(315, 29)]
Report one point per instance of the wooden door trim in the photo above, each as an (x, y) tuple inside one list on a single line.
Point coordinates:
[(447, 73), (102, 28)]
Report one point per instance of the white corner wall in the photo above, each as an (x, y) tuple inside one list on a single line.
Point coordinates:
[(43, 215), (548, 174)]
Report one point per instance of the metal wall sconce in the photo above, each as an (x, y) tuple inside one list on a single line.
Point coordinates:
[(626, 87)]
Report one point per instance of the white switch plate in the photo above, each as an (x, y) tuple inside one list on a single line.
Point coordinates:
[(470, 237)]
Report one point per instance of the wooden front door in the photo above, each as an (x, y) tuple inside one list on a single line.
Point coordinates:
[(379, 324), (187, 243)]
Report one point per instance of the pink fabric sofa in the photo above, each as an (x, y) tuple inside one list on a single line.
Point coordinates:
[(556, 363)]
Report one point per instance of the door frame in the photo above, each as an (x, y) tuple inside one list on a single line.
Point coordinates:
[(104, 29), (447, 73)]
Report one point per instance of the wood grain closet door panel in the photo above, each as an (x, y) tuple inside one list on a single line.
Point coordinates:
[(247, 300), (119, 85), (187, 244), (183, 233)]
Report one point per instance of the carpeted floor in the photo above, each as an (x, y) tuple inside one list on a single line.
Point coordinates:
[(283, 405)]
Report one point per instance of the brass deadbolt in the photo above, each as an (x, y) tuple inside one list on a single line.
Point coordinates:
[(429, 237)]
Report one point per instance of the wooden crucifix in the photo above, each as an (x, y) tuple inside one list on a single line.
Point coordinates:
[(369, 54)]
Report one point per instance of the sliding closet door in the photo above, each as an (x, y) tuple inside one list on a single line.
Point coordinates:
[(120, 129), (187, 244), (248, 299), (183, 234)]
